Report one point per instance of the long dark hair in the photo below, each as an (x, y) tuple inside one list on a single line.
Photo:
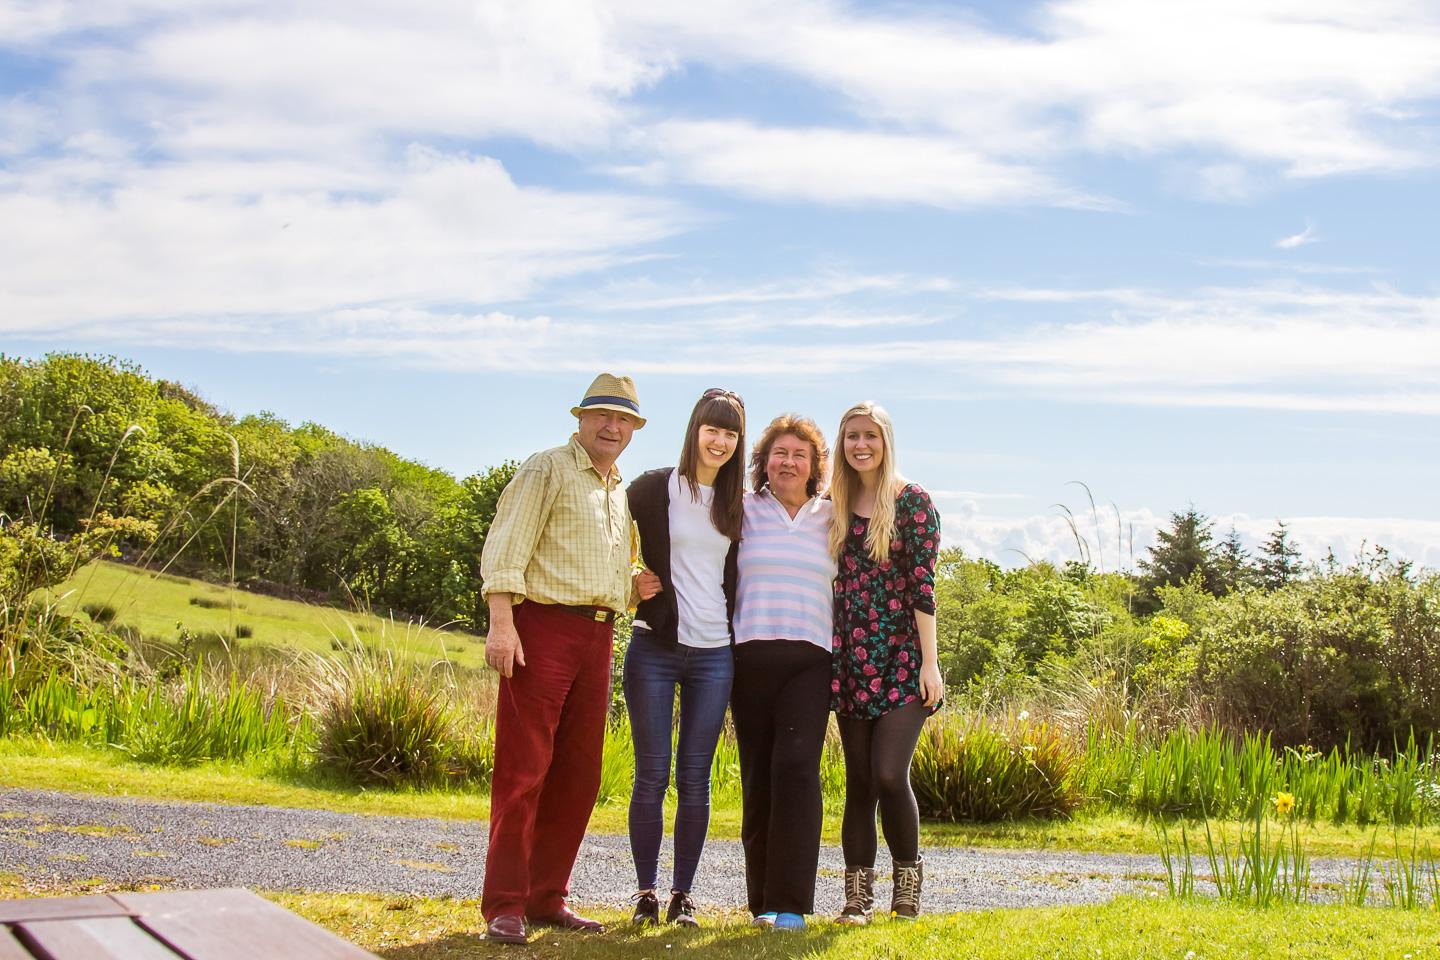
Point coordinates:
[(723, 409)]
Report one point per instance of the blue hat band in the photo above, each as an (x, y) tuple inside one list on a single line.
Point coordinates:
[(625, 402)]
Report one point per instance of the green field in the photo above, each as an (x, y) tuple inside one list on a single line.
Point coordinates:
[(1130, 928), (160, 605)]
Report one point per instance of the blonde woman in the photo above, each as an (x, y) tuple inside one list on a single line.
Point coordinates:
[(886, 676)]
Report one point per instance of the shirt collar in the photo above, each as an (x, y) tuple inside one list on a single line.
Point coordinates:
[(583, 461)]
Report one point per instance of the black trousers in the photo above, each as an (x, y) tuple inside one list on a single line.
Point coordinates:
[(780, 704)]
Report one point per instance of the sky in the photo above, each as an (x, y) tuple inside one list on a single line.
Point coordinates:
[(1166, 254)]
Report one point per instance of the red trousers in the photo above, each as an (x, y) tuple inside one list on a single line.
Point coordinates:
[(549, 737)]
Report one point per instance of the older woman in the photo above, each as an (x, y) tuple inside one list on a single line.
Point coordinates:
[(781, 696), (887, 675)]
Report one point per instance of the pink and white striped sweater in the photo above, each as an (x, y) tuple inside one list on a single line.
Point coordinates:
[(786, 571)]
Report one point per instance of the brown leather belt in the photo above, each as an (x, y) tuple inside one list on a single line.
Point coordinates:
[(597, 614)]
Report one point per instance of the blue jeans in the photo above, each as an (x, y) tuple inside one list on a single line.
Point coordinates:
[(653, 670)]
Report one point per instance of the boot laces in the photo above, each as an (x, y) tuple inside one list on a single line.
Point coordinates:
[(854, 890), (907, 886)]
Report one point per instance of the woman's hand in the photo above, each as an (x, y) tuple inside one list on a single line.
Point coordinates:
[(932, 687), (647, 583)]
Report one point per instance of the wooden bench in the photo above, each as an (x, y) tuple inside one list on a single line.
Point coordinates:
[(188, 924)]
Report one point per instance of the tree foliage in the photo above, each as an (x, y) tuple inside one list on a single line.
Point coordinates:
[(1279, 559), (295, 509)]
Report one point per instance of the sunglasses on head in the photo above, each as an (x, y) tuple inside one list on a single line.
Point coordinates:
[(714, 392)]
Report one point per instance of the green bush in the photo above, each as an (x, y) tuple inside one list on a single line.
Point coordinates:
[(975, 769), (382, 720), (100, 612), (1351, 657)]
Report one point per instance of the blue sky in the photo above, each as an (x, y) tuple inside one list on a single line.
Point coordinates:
[(1183, 252)]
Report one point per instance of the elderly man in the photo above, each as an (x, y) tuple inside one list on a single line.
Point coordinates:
[(556, 567)]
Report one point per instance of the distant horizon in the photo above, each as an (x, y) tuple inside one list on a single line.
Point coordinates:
[(1176, 252), (1109, 546)]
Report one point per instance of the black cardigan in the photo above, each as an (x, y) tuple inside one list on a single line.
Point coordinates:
[(649, 496)]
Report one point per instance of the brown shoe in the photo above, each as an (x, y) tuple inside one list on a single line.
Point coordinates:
[(506, 928), (566, 919)]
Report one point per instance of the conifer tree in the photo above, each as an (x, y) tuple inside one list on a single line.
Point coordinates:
[(1182, 550), (1279, 559), (1233, 563)]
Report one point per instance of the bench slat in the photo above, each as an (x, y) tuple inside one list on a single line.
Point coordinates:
[(244, 935), (97, 938), (56, 908), (10, 948), (219, 900), (234, 923)]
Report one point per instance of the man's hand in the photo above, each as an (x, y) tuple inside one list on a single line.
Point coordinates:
[(502, 649), (647, 583), (502, 644)]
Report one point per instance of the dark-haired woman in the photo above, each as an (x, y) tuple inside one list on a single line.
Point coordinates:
[(781, 702), (689, 520), (887, 678)]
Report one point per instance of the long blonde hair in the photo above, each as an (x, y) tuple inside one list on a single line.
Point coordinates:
[(845, 485)]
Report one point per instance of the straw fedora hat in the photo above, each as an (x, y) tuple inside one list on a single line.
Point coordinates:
[(609, 392)]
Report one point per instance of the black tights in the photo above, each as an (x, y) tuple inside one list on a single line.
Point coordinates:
[(877, 774)]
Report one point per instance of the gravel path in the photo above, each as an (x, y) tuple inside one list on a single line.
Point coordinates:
[(46, 833)]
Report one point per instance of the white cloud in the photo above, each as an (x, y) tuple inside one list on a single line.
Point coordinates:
[(211, 239), (847, 167), (1013, 541), (1309, 88), (1293, 348), (308, 74), (1303, 238), (646, 295), (936, 107)]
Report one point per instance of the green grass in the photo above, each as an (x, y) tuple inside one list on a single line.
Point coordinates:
[(415, 928), (38, 764), (153, 604)]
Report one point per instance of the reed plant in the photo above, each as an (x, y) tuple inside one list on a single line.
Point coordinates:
[(1355, 888), (617, 762), (1213, 773), (1178, 861), (969, 768), (1404, 876), (1262, 870)]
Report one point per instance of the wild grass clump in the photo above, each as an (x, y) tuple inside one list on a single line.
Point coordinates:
[(980, 770), (243, 631), (382, 719), (201, 717), (100, 612), (207, 603), (188, 717)]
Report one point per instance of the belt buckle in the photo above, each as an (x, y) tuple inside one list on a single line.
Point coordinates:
[(601, 615)]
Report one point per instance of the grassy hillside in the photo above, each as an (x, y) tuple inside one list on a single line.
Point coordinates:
[(159, 606)]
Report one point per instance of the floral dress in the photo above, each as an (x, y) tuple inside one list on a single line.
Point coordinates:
[(876, 643)]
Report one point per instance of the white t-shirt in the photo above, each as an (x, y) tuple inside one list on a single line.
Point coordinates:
[(697, 567)]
